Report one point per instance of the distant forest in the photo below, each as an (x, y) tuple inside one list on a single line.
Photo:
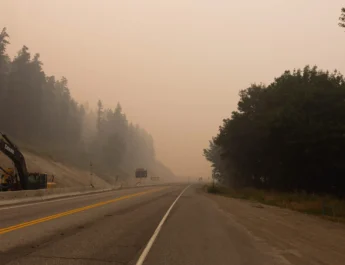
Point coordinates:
[(39, 111)]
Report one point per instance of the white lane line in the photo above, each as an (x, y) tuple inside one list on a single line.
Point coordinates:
[(158, 229)]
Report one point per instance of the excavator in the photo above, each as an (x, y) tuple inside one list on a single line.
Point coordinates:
[(18, 178)]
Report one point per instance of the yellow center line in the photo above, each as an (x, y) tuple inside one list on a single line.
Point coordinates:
[(77, 210)]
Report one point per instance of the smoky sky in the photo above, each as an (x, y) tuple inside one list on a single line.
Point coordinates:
[(175, 66)]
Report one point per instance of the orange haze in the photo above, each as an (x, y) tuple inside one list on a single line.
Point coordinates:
[(176, 66)]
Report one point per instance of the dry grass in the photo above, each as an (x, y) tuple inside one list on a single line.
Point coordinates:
[(326, 206)]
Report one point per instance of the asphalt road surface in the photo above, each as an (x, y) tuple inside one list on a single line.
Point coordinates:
[(127, 227)]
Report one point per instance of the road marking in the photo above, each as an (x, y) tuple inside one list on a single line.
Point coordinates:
[(158, 229), (77, 210)]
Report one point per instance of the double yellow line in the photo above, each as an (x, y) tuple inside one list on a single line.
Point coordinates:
[(77, 210)]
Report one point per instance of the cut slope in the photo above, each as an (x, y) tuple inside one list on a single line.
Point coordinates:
[(65, 176)]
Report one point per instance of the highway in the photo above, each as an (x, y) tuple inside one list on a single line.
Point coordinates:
[(162, 225)]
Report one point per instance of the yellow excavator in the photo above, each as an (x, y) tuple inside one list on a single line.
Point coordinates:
[(18, 178), (6, 178)]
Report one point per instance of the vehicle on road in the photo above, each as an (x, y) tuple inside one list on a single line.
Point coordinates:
[(141, 173)]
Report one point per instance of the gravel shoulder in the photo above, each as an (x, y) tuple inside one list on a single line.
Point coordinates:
[(297, 238)]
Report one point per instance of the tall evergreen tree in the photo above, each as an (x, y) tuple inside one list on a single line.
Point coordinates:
[(39, 110)]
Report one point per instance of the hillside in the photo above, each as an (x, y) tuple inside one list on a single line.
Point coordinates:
[(65, 176), (39, 113)]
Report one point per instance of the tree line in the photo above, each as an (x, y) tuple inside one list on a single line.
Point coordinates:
[(38, 110), (288, 135)]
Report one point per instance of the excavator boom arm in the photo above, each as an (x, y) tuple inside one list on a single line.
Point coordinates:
[(13, 153)]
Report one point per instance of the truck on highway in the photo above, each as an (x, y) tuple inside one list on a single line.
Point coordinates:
[(141, 173)]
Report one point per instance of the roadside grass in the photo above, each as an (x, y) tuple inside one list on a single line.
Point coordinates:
[(325, 206)]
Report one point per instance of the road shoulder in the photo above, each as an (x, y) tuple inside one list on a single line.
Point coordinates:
[(295, 237)]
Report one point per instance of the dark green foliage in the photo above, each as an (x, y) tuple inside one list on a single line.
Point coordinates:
[(342, 18), (38, 110), (289, 135), (213, 189)]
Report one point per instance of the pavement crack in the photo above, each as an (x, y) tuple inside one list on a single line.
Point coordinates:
[(70, 258)]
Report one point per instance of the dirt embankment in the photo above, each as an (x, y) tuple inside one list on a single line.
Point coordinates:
[(65, 176)]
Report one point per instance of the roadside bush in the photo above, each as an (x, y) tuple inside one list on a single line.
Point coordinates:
[(213, 189)]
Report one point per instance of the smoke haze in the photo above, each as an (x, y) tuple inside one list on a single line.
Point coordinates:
[(175, 66)]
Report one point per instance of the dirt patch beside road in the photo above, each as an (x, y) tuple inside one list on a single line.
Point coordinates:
[(298, 238)]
